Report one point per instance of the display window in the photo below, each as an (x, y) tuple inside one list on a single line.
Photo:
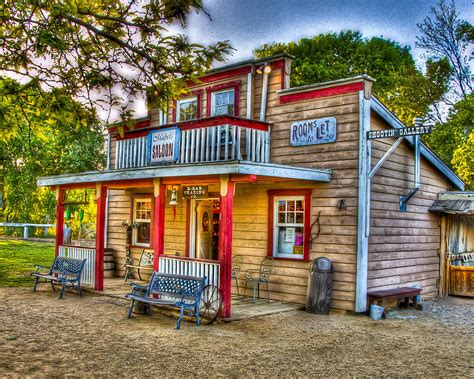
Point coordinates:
[(141, 235), (289, 224)]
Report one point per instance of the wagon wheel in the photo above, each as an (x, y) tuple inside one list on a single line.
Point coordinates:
[(210, 305)]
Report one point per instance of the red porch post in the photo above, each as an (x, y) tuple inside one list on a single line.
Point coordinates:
[(158, 221), (100, 231), (225, 244), (59, 219)]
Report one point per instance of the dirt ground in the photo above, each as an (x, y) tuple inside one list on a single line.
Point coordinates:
[(43, 336)]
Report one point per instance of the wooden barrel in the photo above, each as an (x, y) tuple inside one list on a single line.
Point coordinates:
[(109, 263)]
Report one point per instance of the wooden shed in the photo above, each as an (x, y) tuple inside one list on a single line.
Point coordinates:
[(457, 242), (253, 167)]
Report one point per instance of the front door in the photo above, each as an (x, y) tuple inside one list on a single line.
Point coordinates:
[(204, 229)]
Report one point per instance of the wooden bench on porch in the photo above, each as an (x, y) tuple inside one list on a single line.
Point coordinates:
[(179, 291), (381, 297)]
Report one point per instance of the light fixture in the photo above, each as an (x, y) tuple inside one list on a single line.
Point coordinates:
[(266, 68), (174, 197), (342, 204)]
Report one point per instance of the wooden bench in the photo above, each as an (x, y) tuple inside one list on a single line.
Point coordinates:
[(179, 291), (403, 293), (66, 271), (144, 263)]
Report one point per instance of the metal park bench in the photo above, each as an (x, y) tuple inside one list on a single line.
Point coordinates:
[(179, 291), (66, 271), (144, 263)]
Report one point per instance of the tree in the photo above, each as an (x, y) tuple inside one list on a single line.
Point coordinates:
[(42, 133), (453, 141), (399, 84), (446, 37), (104, 52)]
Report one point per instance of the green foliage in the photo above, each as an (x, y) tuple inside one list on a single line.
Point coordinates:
[(18, 259), (399, 84), (115, 48), (453, 141), (42, 134)]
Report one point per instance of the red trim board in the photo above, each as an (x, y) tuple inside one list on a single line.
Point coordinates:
[(321, 92)]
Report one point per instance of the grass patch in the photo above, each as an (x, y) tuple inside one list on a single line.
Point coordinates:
[(18, 259)]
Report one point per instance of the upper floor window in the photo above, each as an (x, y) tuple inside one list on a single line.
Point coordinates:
[(187, 109), (223, 103)]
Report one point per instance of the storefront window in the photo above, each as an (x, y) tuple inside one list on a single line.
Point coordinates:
[(142, 219), (290, 226), (187, 109)]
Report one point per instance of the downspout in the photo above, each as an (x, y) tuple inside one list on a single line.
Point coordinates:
[(106, 225), (417, 174), (249, 111)]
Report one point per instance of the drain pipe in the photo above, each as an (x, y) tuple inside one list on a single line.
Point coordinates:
[(263, 110), (405, 198)]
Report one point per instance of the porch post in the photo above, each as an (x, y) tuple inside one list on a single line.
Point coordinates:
[(59, 219), (225, 243), (159, 221), (101, 196)]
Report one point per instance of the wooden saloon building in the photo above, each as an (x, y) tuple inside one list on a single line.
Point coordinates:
[(255, 168)]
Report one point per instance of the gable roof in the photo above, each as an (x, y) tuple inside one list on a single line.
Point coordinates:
[(377, 106)]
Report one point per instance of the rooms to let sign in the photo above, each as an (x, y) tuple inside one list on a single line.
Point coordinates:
[(313, 132)]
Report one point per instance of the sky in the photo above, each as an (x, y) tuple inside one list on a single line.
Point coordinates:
[(248, 24)]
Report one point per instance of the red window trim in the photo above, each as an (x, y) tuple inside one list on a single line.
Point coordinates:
[(229, 85), (152, 219), (197, 94), (307, 216)]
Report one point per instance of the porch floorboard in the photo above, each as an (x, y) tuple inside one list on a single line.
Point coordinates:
[(241, 309)]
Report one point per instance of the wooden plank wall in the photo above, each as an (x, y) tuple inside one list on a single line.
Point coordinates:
[(403, 246)]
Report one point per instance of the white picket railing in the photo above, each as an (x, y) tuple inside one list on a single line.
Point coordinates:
[(209, 144), (88, 274), (190, 267)]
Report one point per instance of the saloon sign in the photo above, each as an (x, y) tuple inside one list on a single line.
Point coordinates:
[(313, 132), (163, 145)]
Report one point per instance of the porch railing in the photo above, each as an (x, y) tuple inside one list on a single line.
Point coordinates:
[(202, 144), (191, 267), (88, 274)]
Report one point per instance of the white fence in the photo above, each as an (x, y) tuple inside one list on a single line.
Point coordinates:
[(26, 226), (88, 274), (210, 144), (175, 265)]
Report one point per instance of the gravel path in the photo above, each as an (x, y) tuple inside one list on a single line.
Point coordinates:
[(41, 335)]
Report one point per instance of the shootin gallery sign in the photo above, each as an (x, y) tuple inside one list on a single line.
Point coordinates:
[(313, 132)]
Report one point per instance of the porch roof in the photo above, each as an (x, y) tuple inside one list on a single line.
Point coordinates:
[(190, 170)]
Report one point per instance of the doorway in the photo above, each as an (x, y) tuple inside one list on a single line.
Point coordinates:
[(204, 228)]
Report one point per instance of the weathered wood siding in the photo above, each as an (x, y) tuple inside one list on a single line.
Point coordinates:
[(403, 246)]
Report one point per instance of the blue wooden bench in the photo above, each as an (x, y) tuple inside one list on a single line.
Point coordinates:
[(65, 271), (179, 291)]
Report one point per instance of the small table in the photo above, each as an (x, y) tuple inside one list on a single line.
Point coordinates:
[(405, 293)]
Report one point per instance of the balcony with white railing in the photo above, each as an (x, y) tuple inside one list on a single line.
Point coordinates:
[(213, 139)]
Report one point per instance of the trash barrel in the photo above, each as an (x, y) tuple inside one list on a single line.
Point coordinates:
[(318, 298)]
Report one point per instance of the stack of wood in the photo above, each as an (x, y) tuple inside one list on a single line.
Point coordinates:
[(109, 263)]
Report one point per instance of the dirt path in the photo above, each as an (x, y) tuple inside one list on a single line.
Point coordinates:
[(86, 337)]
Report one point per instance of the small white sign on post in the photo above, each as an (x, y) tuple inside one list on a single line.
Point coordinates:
[(163, 146), (313, 132)]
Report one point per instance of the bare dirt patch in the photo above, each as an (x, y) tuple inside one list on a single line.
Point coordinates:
[(41, 335)]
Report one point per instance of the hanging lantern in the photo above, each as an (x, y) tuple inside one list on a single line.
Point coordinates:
[(174, 201), (68, 214), (81, 215)]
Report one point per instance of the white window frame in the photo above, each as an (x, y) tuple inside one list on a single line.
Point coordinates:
[(187, 100), (140, 220), (276, 226), (213, 100)]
